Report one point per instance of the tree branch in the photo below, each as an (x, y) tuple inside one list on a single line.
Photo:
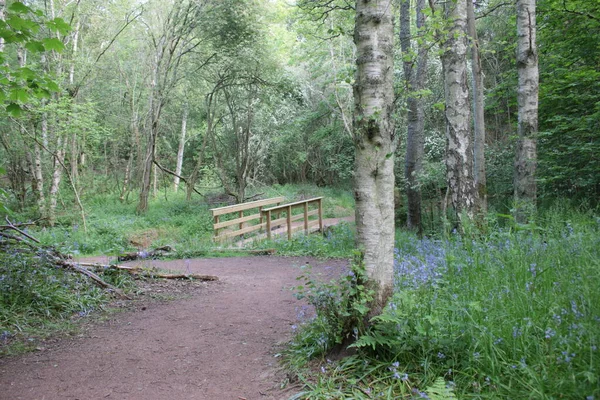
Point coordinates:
[(128, 21), (491, 10), (168, 171)]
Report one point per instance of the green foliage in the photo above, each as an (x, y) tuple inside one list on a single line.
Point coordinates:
[(440, 391), (34, 294), (341, 308), (20, 85), (509, 316), (337, 242), (569, 117)]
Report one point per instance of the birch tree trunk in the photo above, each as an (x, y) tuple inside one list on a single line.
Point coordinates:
[(74, 159), (59, 159), (181, 148), (478, 115), (459, 146), (375, 144), (415, 82), (38, 177), (526, 155)]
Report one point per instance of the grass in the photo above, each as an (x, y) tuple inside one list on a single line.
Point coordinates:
[(37, 299), (113, 227), (515, 314), (337, 242)]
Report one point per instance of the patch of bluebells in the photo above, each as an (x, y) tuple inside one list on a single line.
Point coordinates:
[(426, 268)]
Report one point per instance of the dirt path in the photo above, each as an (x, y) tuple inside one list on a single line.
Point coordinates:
[(218, 344)]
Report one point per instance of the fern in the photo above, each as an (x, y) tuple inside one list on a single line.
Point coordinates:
[(439, 391)]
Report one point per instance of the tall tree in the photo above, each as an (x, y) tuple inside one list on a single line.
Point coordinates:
[(375, 143), (177, 38), (459, 150), (181, 147), (415, 69), (526, 155), (478, 114)]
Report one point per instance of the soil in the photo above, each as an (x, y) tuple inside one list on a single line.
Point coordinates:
[(218, 340)]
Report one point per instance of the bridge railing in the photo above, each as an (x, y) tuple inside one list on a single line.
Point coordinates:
[(243, 224), (310, 208)]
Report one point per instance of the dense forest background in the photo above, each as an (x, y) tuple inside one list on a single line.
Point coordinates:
[(148, 97), (122, 122)]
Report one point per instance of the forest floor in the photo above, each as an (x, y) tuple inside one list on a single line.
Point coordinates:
[(217, 340)]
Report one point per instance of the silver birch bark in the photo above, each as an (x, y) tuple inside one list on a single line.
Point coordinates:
[(59, 159), (181, 148), (478, 115), (415, 81), (459, 144), (39, 180), (375, 144), (74, 142), (526, 155)]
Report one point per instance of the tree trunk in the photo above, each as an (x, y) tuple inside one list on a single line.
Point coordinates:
[(181, 148), (526, 155), (375, 144), (148, 161), (459, 146), (74, 140), (415, 82), (478, 116), (56, 179), (39, 180)]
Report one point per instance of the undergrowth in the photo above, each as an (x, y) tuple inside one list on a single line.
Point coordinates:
[(113, 226), (37, 298), (514, 314), (337, 242)]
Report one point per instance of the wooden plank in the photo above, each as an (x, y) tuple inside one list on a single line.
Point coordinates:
[(225, 224), (239, 232), (306, 217), (313, 212), (297, 217), (285, 206), (269, 225), (216, 233), (278, 222), (289, 221), (313, 223), (246, 206), (301, 227), (321, 214)]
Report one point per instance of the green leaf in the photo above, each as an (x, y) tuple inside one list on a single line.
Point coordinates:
[(35, 46), (52, 86), (59, 25), (19, 95), (53, 44), (19, 8), (42, 94), (14, 109)]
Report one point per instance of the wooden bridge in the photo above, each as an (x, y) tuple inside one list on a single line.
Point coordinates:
[(267, 218)]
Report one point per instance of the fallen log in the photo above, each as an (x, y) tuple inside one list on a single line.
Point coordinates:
[(137, 271), (184, 276), (99, 281), (158, 252)]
